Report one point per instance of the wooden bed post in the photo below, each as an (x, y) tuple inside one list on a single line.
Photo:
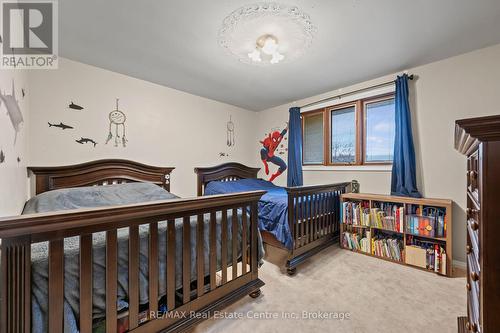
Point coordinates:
[(15, 285), (254, 265)]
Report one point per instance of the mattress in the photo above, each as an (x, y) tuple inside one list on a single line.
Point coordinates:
[(273, 206)]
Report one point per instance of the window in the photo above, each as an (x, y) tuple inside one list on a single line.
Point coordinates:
[(356, 133), (343, 138), (379, 124), (313, 139)]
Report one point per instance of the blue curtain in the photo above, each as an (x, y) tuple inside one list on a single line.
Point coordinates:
[(294, 177), (404, 181)]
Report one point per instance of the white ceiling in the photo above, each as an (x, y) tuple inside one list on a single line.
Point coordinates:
[(174, 43)]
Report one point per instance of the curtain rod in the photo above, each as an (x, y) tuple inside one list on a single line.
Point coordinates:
[(353, 92)]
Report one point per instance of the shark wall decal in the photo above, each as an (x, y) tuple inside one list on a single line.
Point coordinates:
[(13, 110), (75, 106), (86, 140), (61, 126)]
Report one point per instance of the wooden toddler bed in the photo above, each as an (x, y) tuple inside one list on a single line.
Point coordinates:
[(313, 212), (193, 302)]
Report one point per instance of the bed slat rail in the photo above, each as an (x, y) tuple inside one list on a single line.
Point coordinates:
[(86, 283), (15, 270), (206, 292), (200, 256), (111, 280), (133, 276), (224, 246), (313, 216), (56, 285)]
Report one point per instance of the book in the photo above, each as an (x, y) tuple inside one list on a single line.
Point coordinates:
[(355, 241), (388, 216), (435, 253), (387, 247), (356, 213)]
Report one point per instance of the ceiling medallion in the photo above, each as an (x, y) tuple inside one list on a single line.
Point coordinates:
[(266, 33)]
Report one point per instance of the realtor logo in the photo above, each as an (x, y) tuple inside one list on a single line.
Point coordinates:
[(29, 35)]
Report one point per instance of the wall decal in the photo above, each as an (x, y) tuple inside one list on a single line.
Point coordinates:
[(18, 159), (75, 106), (61, 126), (221, 154), (13, 110), (118, 119), (86, 140), (282, 149), (268, 153), (2, 156), (230, 133)]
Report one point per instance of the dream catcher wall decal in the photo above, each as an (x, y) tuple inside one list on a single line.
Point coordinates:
[(230, 133), (117, 120)]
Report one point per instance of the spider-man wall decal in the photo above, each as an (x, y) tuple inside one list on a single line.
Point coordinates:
[(271, 144)]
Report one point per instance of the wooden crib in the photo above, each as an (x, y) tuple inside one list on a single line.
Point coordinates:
[(199, 299), (313, 211)]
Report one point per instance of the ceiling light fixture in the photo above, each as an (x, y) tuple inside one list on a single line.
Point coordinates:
[(266, 33), (268, 45)]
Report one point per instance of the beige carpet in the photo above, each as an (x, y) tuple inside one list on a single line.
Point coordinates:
[(378, 296)]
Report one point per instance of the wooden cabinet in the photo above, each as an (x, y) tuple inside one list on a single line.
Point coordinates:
[(479, 140)]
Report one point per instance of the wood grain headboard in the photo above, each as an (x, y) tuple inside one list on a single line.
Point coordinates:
[(223, 172), (100, 172)]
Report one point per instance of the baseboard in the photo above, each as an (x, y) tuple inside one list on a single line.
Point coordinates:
[(459, 264)]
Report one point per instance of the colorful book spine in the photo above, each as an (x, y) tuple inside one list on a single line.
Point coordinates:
[(387, 247), (355, 213), (353, 241)]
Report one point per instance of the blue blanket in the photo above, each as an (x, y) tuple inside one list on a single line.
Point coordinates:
[(273, 206)]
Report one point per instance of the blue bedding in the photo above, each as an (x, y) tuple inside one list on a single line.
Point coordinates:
[(273, 206)]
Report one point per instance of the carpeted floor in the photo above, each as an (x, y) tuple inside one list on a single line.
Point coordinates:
[(377, 296)]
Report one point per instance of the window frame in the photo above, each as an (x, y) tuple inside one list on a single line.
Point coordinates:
[(360, 123), (329, 111), (303, 117), (366, 102)]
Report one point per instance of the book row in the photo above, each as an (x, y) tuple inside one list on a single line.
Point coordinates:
[(429, 221), (421, 253)]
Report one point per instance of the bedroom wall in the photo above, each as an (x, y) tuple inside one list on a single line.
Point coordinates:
[(13, 176), (460, 87), (165, 127)]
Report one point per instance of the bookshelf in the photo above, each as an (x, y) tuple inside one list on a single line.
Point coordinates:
[(416, 232)]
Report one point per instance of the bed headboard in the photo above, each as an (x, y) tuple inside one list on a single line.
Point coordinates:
[(100, 172), (223, 172)]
